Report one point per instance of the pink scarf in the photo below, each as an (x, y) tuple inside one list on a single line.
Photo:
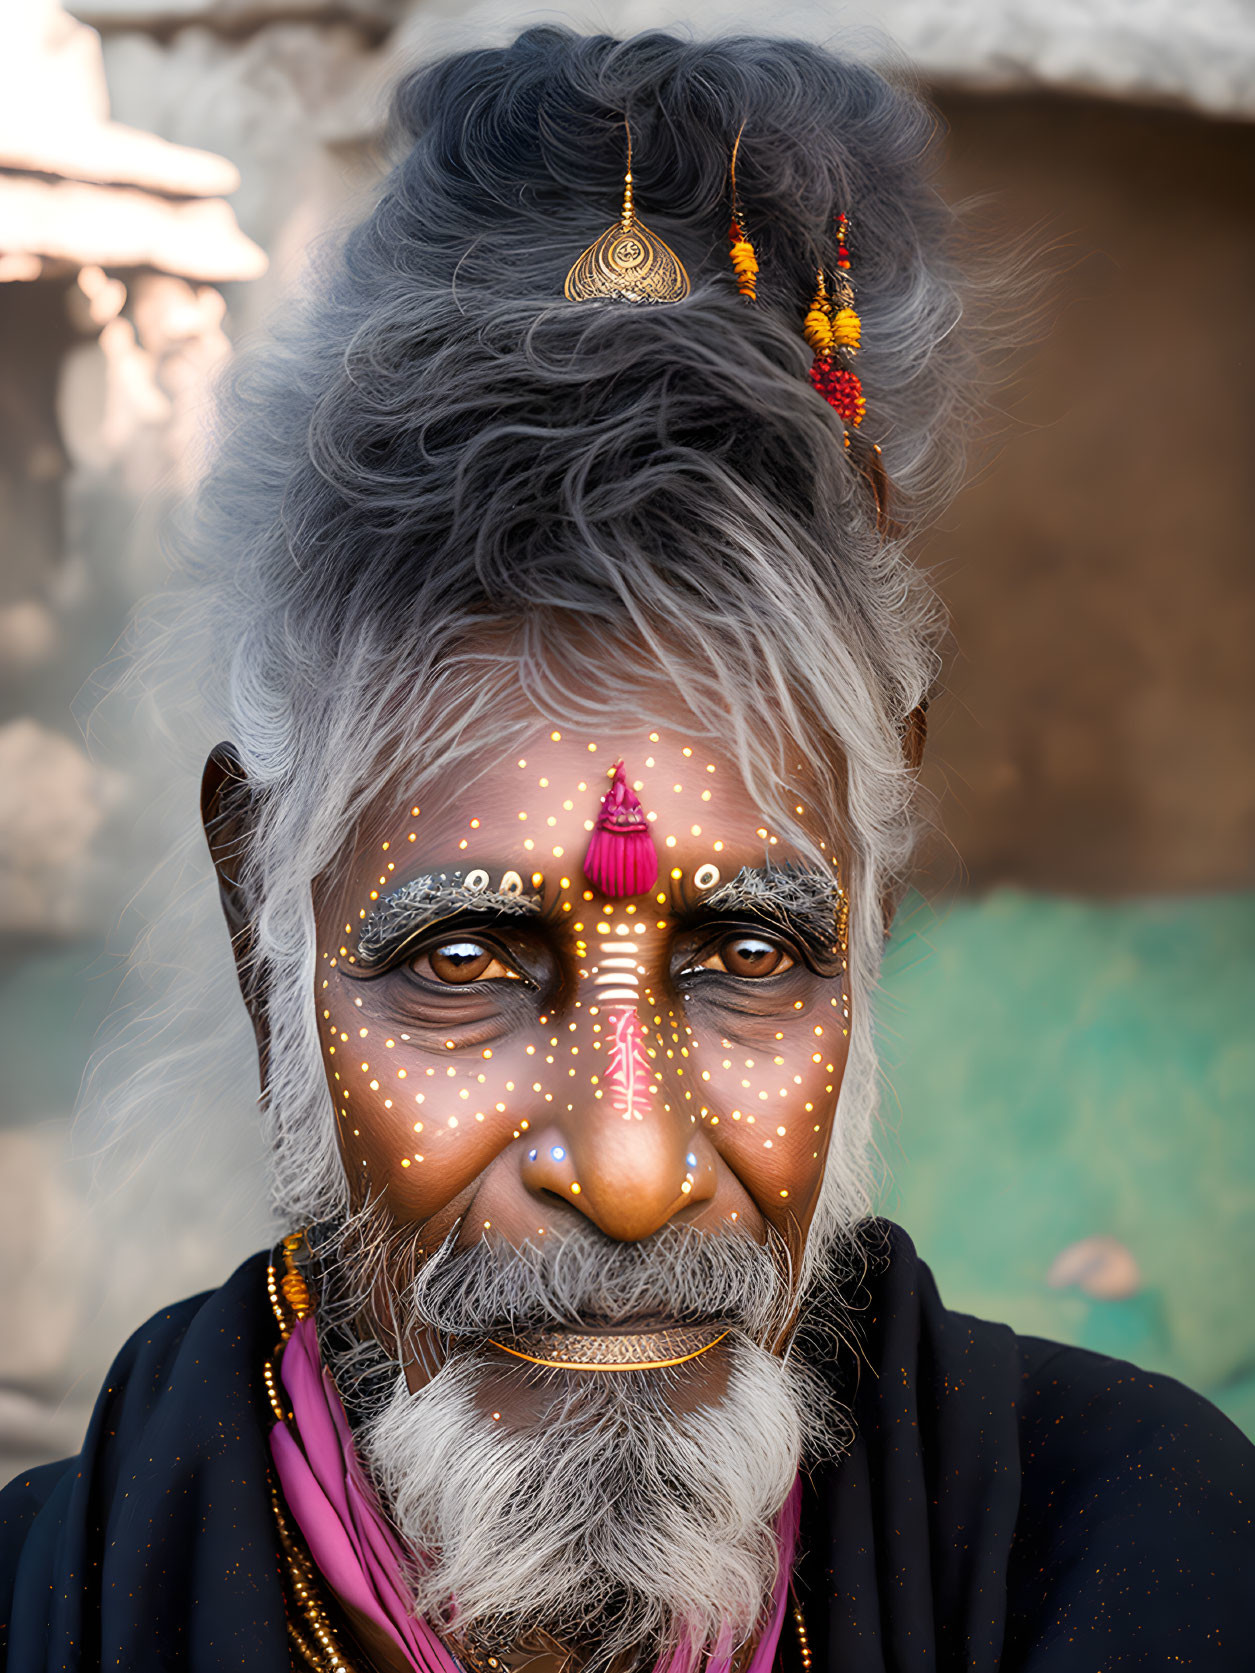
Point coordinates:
[(356, 1551)]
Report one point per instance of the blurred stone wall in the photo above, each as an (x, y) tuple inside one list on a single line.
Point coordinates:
[(113, 246), (1091, 735), (1095, 732)]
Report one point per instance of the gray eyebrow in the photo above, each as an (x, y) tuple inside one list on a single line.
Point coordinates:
[(415, 906), (800, 898)]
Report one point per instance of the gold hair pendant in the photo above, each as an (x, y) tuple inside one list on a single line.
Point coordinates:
[(628, 263)]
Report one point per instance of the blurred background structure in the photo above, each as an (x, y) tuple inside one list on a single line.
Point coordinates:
[(1069, 1130)]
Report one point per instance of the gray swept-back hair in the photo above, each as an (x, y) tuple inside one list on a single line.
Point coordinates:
[(444, 497)]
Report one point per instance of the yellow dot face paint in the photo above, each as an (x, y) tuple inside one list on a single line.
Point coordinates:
[(536, 1053)]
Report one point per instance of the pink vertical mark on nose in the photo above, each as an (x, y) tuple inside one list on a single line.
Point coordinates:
[(629, 1067)]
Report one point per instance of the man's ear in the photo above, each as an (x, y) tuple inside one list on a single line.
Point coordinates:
[(914, 737), (228, 813)]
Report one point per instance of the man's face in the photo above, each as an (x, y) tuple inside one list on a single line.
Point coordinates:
[(515, 1054), (638, 1093)]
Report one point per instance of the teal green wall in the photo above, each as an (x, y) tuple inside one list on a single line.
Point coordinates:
[(1058, 1069)]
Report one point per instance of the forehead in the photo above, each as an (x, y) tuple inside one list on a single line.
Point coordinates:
[(537, 803)]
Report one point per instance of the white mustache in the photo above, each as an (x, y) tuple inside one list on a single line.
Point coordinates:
[(680, 1274)]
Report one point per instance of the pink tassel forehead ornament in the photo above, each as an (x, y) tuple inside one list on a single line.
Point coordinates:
[(621, 858)]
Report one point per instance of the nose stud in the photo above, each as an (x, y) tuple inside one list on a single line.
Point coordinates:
[(549, 1167)]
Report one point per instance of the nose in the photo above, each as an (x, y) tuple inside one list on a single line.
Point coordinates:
[(624, 1156)]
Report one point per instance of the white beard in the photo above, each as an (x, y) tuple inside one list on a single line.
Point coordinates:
[(611, 1520)]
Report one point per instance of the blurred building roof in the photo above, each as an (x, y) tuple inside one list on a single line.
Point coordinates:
[(1199, 55), (77, 187), (235, 15)]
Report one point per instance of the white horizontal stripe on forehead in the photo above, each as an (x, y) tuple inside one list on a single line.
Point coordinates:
[(616, 976)]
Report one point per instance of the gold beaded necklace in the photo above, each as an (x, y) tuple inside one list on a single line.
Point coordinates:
[(803, 1643), (315, 1640)]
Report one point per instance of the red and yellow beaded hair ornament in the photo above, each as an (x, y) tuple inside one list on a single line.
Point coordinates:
[(740, 250), (621, 858), (834, 330)]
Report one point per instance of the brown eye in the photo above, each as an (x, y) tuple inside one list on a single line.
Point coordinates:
[(748, 955), (461, 962)]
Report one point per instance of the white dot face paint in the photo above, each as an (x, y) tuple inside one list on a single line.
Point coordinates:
[(533, 1052)]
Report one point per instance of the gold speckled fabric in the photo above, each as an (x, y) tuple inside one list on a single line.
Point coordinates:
[(155, 1548), (1011, 1503)]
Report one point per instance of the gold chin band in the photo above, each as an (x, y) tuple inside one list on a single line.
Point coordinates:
[(654, 1350)]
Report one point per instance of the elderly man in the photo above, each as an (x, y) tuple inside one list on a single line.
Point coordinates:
[(573, 675)]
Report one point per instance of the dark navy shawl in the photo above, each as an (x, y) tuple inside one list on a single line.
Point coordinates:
[(1008, 1504)]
